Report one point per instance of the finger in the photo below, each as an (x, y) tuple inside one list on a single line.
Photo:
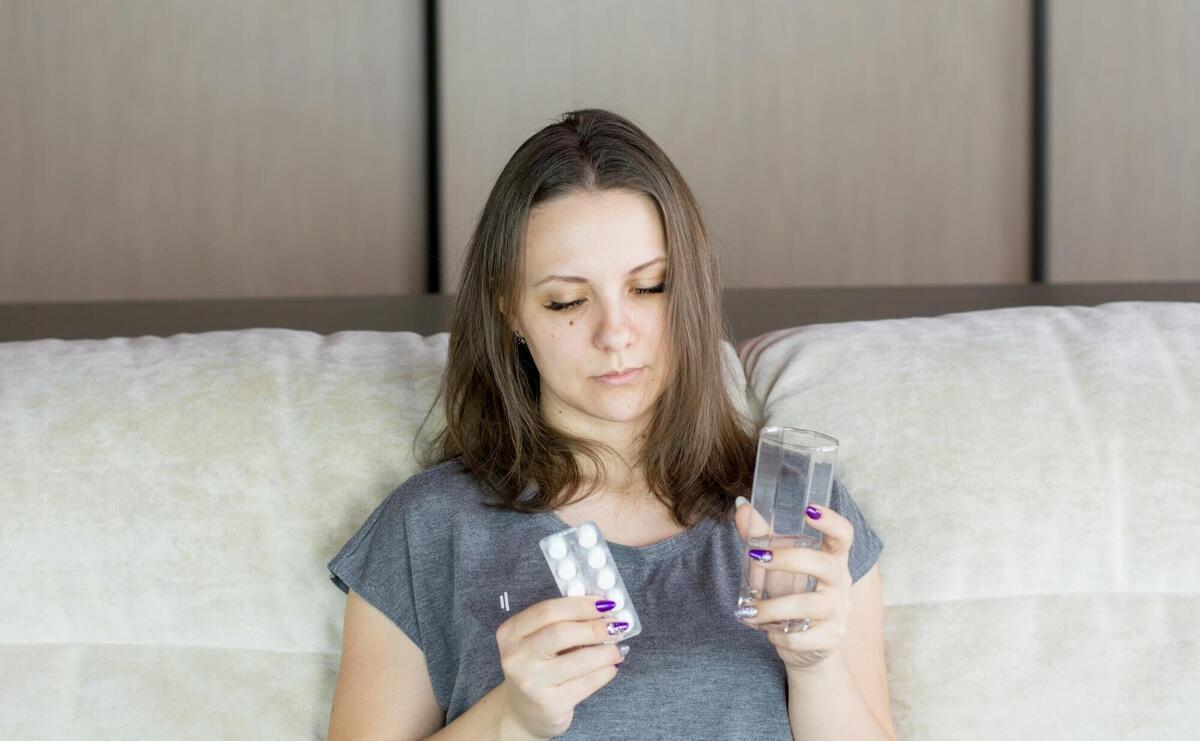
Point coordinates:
[(579, 663), (558, 637), (812, 605), (814, 641), (837, 533), (575, 691), (533, 618), (825, 567), (622, 649), (750, 523)]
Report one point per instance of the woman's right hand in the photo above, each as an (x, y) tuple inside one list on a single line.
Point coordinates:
[(553, 657)]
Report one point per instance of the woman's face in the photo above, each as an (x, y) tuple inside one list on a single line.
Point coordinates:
[(605, 310)]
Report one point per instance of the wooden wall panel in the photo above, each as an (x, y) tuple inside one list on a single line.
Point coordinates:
[(153, 149), (1124, 143), (830, 143)]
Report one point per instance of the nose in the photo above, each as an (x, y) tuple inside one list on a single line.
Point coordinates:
[(614, 332)]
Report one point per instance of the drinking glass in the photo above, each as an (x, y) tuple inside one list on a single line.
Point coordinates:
[(794, 469)]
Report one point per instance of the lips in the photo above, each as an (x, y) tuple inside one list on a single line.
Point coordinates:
[(617, 373), (628, 376)]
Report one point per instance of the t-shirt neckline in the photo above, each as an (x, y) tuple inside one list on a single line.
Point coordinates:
[(653, 552)]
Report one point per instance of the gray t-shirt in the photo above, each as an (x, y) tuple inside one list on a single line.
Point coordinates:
[(442, 567)]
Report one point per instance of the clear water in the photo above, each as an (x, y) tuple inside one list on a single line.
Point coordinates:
[(759, 583), (789, 474)]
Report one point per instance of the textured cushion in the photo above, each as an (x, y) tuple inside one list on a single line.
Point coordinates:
[(169, 505), (1035, 472)]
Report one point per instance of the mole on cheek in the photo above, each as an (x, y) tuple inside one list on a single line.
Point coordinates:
[(572, 322)]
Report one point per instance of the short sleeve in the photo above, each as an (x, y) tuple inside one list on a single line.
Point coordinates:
[(376, 563), (867, 545)]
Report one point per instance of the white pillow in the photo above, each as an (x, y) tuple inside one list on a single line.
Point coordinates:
[(1034, 474), (169, 505)]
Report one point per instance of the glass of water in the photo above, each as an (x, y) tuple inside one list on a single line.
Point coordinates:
[(794, 469)]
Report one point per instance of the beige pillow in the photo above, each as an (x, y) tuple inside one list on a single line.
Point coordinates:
[(169, 506), (1035, 475)]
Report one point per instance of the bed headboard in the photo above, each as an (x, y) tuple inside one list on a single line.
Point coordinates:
[(750, 311)]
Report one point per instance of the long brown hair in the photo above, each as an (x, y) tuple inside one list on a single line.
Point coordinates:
[(698, 450)]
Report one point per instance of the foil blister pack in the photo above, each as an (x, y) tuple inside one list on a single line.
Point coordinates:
[(582, 564)]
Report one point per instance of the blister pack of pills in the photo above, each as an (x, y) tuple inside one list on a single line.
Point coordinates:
[(582, 564)]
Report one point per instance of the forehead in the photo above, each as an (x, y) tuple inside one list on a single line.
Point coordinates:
[(606, 231)]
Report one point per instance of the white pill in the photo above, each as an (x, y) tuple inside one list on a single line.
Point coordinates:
[(587, 535), (606, 579), (557, 548), (618, 596), (567, 570), (576, 589), (596, 557)]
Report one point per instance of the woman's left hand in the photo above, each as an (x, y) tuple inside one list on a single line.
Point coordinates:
[(827, 607)]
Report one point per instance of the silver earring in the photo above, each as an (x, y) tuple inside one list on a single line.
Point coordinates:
[(518, 339)]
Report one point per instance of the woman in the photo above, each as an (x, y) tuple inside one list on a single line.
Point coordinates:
[(591, 259)]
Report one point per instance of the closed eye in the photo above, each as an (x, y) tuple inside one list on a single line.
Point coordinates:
[(556, 306)]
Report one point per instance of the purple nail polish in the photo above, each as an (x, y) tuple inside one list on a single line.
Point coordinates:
[(618, 627), (813, 512), (759, 554), (605, 605)]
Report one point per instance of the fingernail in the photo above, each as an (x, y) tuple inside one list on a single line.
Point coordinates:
[(813, 512), (604, 605), (617, 627), (746, 611), (758, 554), (740, 501)]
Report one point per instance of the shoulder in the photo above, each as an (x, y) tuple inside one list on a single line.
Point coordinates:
[(449, 477), (867, 544), (445, 488), (841, 502)]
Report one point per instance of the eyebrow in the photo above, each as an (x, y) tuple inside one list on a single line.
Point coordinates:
[(577, 279)]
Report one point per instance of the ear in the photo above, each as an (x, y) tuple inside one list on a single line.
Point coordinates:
[(513, 324), (500, 305)]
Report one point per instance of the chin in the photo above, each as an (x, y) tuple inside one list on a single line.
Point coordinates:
[(619, 415)]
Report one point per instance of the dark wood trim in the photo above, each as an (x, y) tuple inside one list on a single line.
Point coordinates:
[(750, 311), (754, 311), (433, 175), (1039, 108)]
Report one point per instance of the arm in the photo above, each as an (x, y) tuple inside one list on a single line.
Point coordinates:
[(829, 705), (485, 719), (846, 695), (384, 691)]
